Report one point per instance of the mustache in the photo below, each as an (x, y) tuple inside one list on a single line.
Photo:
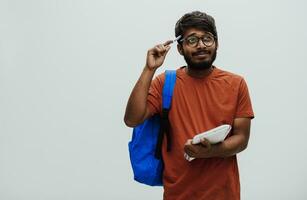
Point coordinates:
[(201, 52)]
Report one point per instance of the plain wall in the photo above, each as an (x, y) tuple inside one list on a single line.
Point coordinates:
[(67, 69)]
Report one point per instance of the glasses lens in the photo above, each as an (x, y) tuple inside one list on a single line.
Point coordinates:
[(192, 40), (208, 40)]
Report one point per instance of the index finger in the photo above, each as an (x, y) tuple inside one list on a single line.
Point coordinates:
[(168, 42)]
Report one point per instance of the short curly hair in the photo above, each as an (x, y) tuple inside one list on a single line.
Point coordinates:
[(196, 19)]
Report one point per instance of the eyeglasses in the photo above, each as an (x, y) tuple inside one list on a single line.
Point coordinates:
[(192, 41)]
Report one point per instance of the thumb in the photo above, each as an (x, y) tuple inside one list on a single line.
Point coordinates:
[(205, 143)]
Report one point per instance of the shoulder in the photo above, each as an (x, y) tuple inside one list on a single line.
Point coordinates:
[(160, 78), (158, 81), (227, 77)]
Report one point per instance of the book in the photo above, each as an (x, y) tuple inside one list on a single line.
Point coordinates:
[(214, 136)]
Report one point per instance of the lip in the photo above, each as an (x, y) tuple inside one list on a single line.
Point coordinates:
[(203, 55)]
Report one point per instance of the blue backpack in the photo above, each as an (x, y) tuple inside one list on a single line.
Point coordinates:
[(146, 143)]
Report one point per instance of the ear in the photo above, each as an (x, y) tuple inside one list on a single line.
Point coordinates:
[(179, 48)]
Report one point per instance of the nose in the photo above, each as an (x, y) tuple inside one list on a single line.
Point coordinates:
[(201, 44)]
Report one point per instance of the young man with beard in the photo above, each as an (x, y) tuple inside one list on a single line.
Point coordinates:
[(205, 97)]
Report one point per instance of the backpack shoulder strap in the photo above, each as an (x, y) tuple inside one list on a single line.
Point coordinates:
[(167, 94), (168, 88)]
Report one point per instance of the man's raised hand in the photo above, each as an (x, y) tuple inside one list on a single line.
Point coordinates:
[(156, 55)]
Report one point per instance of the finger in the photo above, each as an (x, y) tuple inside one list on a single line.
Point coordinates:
[(165, 50), (205, 143), (160, 49), (168, 42), (156, 51), (190, 154), (189, 147), (160, 46), (153, 51), (168, 48), (188, 151)]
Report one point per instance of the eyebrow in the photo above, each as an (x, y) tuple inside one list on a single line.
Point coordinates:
[(191, 35), (195, 34)]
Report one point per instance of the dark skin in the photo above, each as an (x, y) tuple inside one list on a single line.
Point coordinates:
[(238, 141), (137, 109), (185, 49), (234, 144)]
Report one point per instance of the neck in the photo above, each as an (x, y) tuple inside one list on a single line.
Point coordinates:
[(199, 73)]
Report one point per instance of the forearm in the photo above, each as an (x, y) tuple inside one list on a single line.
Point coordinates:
[(231, 146), (136, 110), (137, 103)]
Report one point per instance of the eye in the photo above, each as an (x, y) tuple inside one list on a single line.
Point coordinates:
[(192, 40), (207, 39)]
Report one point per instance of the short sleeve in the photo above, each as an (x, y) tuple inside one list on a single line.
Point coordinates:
[(244, 105), (154, 99)]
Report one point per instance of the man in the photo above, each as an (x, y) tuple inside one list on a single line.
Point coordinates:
[(204, 97)]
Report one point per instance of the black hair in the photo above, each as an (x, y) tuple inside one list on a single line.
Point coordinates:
[(195, 19)]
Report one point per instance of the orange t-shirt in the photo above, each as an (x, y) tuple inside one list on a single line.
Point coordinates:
[(200, 104)]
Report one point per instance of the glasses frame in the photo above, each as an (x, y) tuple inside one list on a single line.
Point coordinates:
[(199, 39)]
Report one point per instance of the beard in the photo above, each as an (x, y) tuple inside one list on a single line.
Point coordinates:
[(200, 65)]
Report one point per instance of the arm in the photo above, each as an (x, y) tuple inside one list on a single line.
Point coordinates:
[(137, 110), (231, 146)]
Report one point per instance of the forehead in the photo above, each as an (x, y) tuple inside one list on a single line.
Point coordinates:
[(194, 31)]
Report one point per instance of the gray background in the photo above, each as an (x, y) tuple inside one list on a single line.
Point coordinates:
[(67, 69)]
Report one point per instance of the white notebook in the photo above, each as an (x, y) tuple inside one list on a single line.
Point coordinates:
[(214, 136)]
